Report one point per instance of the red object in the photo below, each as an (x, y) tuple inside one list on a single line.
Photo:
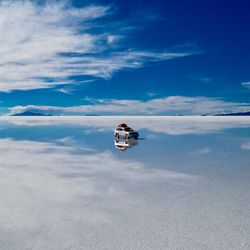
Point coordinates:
[(123, 125)]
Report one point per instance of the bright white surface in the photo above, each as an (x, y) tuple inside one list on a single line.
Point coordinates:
[(57, 194), (176, 125)]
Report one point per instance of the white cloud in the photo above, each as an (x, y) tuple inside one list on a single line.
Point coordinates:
[(172, 105), (69, 89), (246, 84), (65, 90), (203, 79), (151, 94), (202, 151), (45, 45), (246, 145)]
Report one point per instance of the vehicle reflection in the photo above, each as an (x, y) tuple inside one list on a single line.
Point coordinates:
[(123, 144)]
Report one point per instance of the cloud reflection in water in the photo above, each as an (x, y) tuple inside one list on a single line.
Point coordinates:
[(185, 187), (52, 197)]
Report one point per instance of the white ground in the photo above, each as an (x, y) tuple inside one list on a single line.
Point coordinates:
[(53, 198)]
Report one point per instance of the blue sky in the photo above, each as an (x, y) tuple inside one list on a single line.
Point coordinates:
[(120, 57)]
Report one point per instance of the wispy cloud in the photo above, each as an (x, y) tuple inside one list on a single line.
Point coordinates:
[(66, 90), (151, 94), (203, 79), (172, 105), (246, 84), (246, 145), (70, 88), (46, 45), (202, 151)]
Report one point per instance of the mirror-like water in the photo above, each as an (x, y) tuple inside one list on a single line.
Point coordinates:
[(68, 183)]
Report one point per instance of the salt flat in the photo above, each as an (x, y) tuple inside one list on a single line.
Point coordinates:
[(184, 185)]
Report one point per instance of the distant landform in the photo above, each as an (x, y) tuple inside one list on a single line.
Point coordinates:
[(29, 113), (236, 114)]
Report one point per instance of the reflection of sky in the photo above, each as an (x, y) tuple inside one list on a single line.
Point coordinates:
[(65, 185)]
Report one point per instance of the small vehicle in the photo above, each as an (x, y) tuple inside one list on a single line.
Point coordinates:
[(124, 144), (122, 130)]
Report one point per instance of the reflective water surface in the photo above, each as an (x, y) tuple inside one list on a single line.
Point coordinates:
[(67, 183)]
